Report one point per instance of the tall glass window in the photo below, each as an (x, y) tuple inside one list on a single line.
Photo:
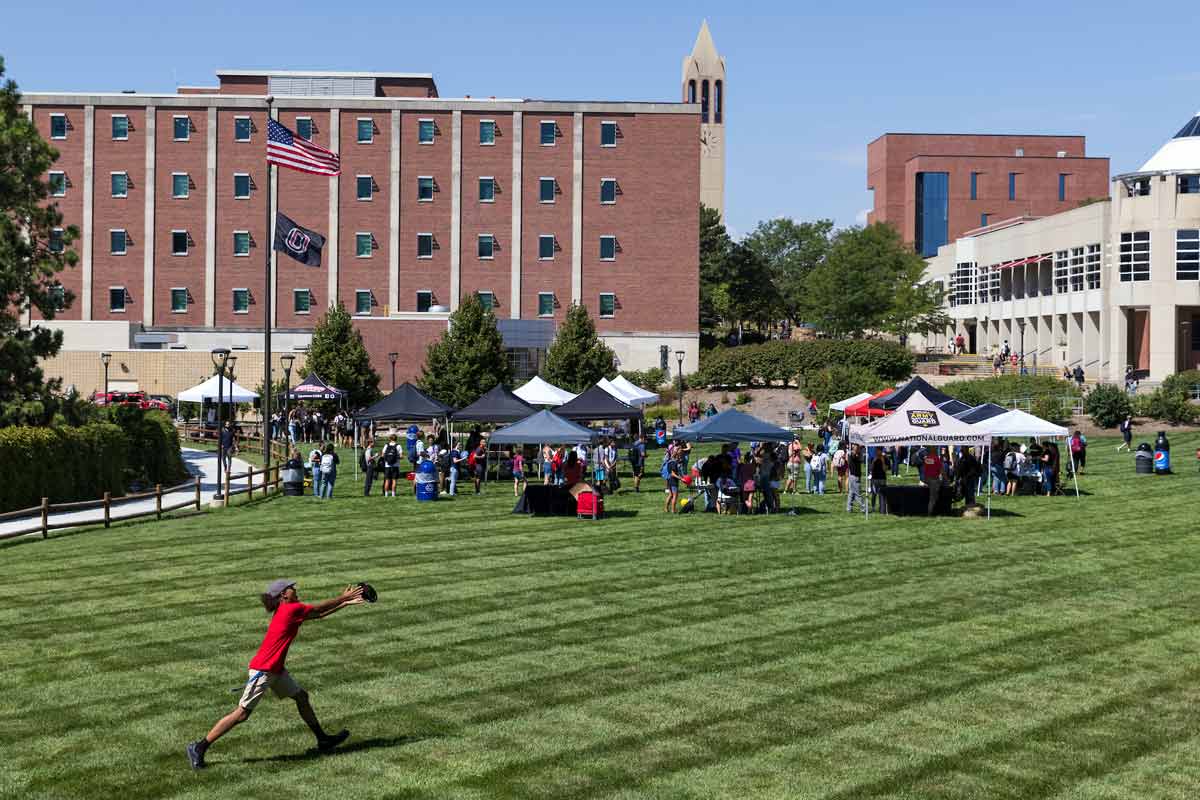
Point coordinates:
[(608, 304), (425, 131), (366, 130), (425, 189), (487, 300), (1135, 256), (546, 247), (933, 211), (704, 101), (301, 300), (362, 301), (983, 220), (241, 301), (608, 190), (691, 95), (1012, 186), (180, 185), (424, 301), (120, 126), (364, 187), (182, 128), (975, 186), (1189, 184), (58, 126), (547, 131), (487, 131), (1092, 266), (545, 304), (424, 245), (364, 244), (179, 301), (241, 185), (545, 190), (487, 190), (241, 243), (241, 129), (1062, 186), (718, 101), (1187, 255), (608, 134), (304, 128), (120, 184)]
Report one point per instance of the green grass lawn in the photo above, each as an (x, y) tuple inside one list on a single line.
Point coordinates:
[(1048, 652)]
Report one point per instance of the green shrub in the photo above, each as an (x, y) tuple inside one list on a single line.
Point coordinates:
[(1182, 383), (1107, 405), (830, 384), (1167, 406), (154, 455), (1008, 387), (1049, 408), (664, 410), (743, 398), (787, 363), (649, 379), (63, 464)]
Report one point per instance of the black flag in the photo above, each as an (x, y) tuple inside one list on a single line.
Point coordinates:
[(299, 243)]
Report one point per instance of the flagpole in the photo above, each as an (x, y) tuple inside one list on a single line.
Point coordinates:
[(268, 246)]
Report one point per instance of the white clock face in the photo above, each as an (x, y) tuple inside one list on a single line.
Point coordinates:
[(709, 141)]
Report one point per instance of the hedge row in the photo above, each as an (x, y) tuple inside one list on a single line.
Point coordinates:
[(779, 363), (153, 447), (1003, 388), (63, 464)]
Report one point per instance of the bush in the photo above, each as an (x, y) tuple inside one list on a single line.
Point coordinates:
[(664, 410), (63, 464), (788, 363), (1008, 387), (1107, 405), (743, 398), (649, 379), (1049, 408), (153, 446), (1182, 383), (830, 384), (1167, 406)]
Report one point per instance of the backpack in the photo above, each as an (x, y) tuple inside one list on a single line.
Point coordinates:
[(471, 459), (839, 459), (1076, 444), (1010, 462), (327, 463), (391, 454), (665, 472)]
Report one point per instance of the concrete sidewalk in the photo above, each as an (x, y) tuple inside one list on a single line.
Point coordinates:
[(198, 462)]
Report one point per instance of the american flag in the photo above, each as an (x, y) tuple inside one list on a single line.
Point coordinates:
[(288, 150)]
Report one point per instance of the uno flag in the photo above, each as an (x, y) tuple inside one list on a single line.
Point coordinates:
[(289, 150), (299, 243)]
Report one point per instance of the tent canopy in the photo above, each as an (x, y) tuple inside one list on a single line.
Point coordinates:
[(313, 388), (407, 402), (231, 392), (543, 426), (595, 404), (641, 396), (899, 397), (842, 405), (498, 404), (538, 392), (981, 412), (863, 408), (918, 421), (954, 407), (1019, 423), (732, 426)]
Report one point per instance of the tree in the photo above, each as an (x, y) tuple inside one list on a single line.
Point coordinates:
[(917, 305), (578, 358), (791, 251), (338, 355), (715, 245), (749, 293), (468, 360), (31, 256)]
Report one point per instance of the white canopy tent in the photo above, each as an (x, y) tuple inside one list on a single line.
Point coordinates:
[(1017, 423), (842, 405), (231, 392), (608, 386), (538, 392), (641, 397)]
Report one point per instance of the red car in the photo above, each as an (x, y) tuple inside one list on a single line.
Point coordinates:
[(138, 399)]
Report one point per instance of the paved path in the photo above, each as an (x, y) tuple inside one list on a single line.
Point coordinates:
[(198, 462)]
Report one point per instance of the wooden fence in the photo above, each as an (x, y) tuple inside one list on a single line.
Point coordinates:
[(40, 515)]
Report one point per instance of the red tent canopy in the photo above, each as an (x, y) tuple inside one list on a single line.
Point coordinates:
[(863, 407)]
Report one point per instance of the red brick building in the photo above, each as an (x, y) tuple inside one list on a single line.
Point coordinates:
[(531, 204), (935, 187)]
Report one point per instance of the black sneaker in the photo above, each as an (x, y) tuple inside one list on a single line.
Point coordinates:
[(195, 755), (327, 743)]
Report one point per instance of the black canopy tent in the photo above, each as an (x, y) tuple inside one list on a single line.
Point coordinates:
[(498, 404), (597, 404), (407, 402), (313, 388), (981, 412), (918, 384)]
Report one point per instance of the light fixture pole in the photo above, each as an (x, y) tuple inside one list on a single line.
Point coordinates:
[(287, 360), (104, 359), (220, 355), (392, 358), (679, 354), (1021, 325)]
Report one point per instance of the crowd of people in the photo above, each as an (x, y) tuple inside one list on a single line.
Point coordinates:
[(310, 425)]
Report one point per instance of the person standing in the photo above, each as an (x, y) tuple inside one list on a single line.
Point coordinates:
[(673, 478), (794, 460), (1126, 429), (518, 471), (329, 465), (854, 473), (391, 466), (820, 466), (1078, 445), (637, 461), (931, 472), (228, 446), (368, 467), (1078, 375), (879, 475), (840, 463), (969, 472), (457, 461), (807, 455), (547, 464), (267, 670), (314, 466), (480, 464)]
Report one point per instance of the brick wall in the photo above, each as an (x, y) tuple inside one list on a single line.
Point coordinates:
[(70, 162)]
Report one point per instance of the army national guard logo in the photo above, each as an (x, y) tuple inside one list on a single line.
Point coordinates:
[(923, 419)]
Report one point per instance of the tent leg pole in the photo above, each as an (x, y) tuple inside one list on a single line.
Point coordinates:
[(991, 480)]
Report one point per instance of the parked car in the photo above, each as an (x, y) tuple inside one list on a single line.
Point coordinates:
[(138, 399)]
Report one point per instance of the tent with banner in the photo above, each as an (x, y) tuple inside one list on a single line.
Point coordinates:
[(863, 407), (538, 392), (313, 388), (406, 403), (543, 426), (899, 397), (231, 392), (732, 426), (842, 405), (597, 404), (641, 397), (498, 404)]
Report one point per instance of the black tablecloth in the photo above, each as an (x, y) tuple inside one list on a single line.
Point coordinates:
[(913, 500), (543, 499)]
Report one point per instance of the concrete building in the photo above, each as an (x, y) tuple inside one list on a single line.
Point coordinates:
[(704, 83), (529, 204), (1107, 286), (935, 187)]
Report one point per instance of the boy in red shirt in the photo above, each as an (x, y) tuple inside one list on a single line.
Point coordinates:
[(267, 667)]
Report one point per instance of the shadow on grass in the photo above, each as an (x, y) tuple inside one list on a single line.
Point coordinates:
[(374, 743)]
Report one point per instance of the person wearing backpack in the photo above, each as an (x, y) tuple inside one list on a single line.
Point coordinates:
[(819, 465), (637, 462), (314, 466), (329, 464), (840, 463), (1078, 452), (391, 466), (457, 461)]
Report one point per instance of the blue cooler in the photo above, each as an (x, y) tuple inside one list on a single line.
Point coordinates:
[(426, 481)]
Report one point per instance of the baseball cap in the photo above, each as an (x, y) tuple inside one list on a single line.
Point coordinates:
[(278, 587)]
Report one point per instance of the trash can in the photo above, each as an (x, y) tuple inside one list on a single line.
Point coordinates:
[(426, 481), (1162, 454), (1143, 460), (293, 481)]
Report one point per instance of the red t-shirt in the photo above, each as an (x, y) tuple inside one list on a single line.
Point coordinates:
[(933, 466), (285, 624)]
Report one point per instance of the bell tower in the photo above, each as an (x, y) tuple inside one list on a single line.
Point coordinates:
[(704, 83)]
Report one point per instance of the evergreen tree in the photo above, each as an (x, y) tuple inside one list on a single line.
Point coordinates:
[(338, 355), (578, 358), (31, 256), (715, 269), (468, 360)]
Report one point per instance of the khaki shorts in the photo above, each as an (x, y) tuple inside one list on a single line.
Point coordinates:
[(282, 683)]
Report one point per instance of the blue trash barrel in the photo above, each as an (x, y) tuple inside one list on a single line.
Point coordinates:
[(426, 480)]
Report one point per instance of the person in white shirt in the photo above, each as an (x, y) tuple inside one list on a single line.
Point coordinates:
[(368, 467), (581, 453)]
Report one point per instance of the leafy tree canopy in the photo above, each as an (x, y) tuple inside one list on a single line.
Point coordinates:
[(338, 355), (578, 358), (791, 251), (468, 360)]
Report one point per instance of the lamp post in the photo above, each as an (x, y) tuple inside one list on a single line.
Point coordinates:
[(679, 354), (392, 358), (104, 359), (1021, 325), (220, 356), (287, 389)]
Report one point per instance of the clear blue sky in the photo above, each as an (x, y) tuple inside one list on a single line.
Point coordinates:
[(808, 84)]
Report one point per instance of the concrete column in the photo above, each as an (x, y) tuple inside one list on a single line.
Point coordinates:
[(1164, 336), (87, 229), (455, 210), (1092, 345), (394, 218), (331, 241), (272, 289), (210, 222), (1118, 342), (514, 303), (148, 218), (577, 212)]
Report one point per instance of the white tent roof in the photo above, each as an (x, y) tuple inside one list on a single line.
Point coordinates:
[(1019, 423), (538, 392), (1180, 153), (640, 396), (842, 405), (607, 385), (918, 421), (231, 392)]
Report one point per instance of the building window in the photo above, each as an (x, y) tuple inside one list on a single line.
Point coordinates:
[(691, 94), (301, 300), (179, 243), (58, 183), (241, 129), (974, 185), (487, 190), (424, 245), (1091, 266), (116, 299), (1138, 187), (179, 301), (487, 131), (608, 190), (1076, 269), (365, 185), (425, 131), (487, 300), (608, 134), (362, 301), (241, 301), (55, 244), (546, 190), (1135, 256), (1012, 186), (487, 245), (425, 189), (704, 101), (120, 184), (1189, 184), (545, 304), (547, 130), (933, 211), (120, 127), (118, 242), (1187, 255), (58, 126), (364, 244), (1061, 267), (983, 218), (718, 101), (241, 185), (1062, 187), (180, 185), (182, 127), (241, 243), (546, 247), (58, 296), (304, 128), (608, 305), (424, 301), (608, 248), (366, 130)]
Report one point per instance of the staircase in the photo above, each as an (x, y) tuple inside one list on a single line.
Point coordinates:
[(970, 366)]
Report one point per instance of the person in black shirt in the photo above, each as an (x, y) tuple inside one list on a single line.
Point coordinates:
[(228, 445), (969, 471), (854, 472), (1126, 429), (879, 475)]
